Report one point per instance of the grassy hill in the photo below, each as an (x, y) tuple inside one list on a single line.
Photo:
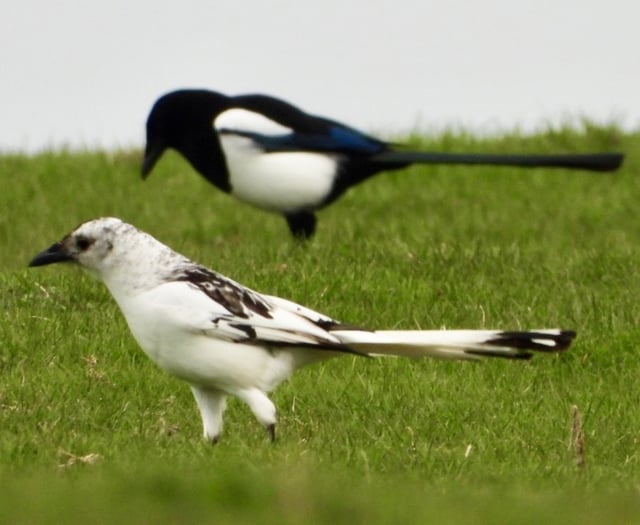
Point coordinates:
[(91, 430)]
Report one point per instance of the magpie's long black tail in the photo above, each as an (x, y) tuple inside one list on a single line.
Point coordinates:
[(588, 161)]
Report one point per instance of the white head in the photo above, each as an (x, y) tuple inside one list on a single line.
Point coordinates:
[(114, 251)]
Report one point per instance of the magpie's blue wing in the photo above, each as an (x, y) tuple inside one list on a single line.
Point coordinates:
[(295, 130), (339, 140)]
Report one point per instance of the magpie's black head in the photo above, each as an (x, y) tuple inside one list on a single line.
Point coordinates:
[(182, 120)]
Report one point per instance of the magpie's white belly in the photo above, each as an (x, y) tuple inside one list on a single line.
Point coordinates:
[(283, 182)]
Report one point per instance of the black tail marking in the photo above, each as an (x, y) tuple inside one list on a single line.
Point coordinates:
[(529, 340)]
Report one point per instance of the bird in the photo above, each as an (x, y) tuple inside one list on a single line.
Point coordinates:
[(225, 339), (273, 155)]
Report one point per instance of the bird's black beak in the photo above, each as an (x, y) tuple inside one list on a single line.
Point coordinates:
[(152, 153), (54, 254)]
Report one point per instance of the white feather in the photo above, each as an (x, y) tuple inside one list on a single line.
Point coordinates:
[(237, 119), (283, 182)]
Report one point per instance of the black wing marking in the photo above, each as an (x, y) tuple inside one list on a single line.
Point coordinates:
[(236, 299)]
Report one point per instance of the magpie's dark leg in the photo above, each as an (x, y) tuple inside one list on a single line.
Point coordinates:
[(302, 224)]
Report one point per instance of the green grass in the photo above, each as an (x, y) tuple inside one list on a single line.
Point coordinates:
[(91, 431)]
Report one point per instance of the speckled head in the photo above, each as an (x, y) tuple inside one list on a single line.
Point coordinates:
[(112, 250)]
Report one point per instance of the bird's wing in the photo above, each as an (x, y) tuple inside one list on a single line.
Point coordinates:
[(303, 311), (316, 318), (276, 126), (220, 308)]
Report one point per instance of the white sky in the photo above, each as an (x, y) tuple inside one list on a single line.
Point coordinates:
[(81, 73)]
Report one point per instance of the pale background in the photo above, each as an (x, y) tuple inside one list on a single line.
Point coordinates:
[(80, 73)]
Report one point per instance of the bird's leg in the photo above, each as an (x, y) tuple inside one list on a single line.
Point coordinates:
[(262, 408), (301, 224), (271, 430), (212, 404)]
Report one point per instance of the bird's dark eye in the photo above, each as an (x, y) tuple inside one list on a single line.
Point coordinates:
[(83, 243)]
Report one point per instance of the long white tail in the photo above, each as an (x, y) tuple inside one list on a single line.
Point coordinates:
[(456, 344)]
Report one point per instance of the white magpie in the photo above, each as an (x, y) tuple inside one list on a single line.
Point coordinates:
[(225, 339), (269, 153)]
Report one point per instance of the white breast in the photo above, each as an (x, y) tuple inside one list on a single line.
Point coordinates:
[(173, 325)]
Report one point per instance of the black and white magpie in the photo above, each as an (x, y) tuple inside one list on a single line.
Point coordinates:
[(271, 154), (224, 339)]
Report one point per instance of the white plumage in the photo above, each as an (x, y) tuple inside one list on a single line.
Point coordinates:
[(240, 119), (225, 339), (286, 182), (281, 187)]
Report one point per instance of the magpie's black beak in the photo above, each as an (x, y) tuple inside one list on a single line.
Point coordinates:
[(152, 153), (54, 254)]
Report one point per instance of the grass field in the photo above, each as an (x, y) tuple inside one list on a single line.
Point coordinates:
[(91, 431)]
